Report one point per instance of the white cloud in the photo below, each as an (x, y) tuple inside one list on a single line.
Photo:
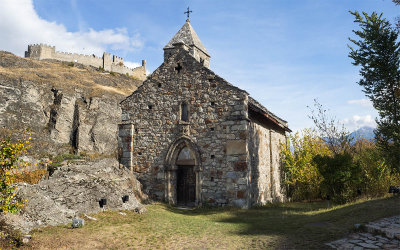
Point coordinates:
[(20, 25), (357, 121), (361, 102), (132, 64), (137, 42)]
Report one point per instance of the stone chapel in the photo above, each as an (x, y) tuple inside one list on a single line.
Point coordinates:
[(193, 138)]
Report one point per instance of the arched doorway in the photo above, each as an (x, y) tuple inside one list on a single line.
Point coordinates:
[(183, 173)]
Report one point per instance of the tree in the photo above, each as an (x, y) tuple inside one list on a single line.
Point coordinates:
[(10, 153), (397, 2), (330, 129), (339, 172), (377, 52)]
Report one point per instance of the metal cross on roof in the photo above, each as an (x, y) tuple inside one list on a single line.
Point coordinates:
[(187, 12)]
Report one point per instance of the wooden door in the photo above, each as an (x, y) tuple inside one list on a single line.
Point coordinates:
[(186, 186)]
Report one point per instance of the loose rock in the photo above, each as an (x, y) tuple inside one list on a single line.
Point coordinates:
[(78, 222)]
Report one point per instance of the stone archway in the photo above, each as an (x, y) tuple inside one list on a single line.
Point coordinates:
[(183, 173)]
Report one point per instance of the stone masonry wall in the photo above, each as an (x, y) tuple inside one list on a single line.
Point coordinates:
[(264, 146), (199, 55), (277, 189), (218, 125)]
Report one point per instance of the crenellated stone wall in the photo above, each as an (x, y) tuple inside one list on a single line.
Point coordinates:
[(108, 62)]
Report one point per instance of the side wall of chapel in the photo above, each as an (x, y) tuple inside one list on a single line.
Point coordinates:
[(265, 158)]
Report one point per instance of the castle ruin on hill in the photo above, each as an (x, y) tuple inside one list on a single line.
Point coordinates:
[(108, 62)]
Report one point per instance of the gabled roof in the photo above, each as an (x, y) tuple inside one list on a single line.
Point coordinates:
[(259, 108), (253, 106), (188, 36)]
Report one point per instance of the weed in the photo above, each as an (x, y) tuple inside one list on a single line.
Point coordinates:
[(56, 162), (30, 177), (9, 238), (63, 157)]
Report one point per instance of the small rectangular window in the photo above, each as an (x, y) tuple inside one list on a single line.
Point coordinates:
[(184, 112)]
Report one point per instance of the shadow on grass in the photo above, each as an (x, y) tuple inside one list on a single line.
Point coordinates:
[(294, 207), (301, 225)]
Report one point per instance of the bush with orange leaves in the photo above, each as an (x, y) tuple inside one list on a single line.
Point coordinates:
[(10, 153), (30, 176)]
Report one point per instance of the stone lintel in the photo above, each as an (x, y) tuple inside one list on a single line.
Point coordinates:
[(236, 147)]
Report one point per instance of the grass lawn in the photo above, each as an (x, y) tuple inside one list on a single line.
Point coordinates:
[(275, 226)]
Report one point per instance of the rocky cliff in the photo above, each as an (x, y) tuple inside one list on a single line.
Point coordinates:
[(67, 107)]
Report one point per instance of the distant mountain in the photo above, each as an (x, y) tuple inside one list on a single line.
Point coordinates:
[(363, 133)]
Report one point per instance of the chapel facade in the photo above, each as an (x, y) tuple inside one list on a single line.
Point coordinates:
[(192, 138)]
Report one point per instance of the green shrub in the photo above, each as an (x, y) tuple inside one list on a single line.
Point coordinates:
[(341, 176), (376, 173), (302, 177), (71, 64)]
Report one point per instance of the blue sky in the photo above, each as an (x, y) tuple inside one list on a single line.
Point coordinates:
[(284, 53)]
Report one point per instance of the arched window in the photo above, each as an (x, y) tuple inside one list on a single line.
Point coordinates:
[(184, 112)]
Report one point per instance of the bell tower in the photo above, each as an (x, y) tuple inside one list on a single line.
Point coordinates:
[(187, 39)]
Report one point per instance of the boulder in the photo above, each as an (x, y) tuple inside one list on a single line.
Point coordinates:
[(74, 190)]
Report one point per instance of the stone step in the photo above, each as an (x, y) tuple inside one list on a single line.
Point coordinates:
[(380, 234)]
